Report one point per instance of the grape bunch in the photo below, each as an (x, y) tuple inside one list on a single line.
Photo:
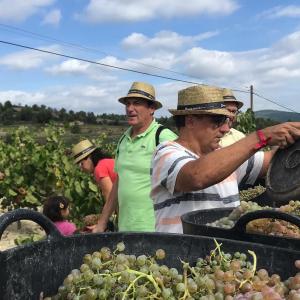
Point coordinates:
[(229, 221), (278, 227), (107, 274), (251, 193), (293, 207), (266, 226)]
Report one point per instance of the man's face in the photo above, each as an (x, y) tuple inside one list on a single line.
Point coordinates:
[(209, 129), (138, 112), (232, 108)]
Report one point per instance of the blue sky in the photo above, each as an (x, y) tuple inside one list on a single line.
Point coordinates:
[(228, 43)]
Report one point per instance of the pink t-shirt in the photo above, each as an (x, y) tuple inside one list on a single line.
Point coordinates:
[(65, 227), (105, 168)]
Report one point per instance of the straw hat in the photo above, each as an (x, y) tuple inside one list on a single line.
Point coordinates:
[(229, 97), (82, 150), (200, 99), (142, 90)]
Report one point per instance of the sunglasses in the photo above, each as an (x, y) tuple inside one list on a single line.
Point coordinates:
[(218, 120)]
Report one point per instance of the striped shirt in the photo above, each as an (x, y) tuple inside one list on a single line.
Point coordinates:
[(169, 205)]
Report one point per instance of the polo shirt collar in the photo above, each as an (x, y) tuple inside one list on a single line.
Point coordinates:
[(152, 125)]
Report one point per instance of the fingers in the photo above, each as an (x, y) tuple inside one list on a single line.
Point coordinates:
[(284, 134)]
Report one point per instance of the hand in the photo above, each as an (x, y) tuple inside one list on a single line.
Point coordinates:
[(98, 227), (283, 135)]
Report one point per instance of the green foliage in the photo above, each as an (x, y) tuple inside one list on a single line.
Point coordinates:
[(31, 171), (10, 114), (27, 239), (246, 122), (75, 128)]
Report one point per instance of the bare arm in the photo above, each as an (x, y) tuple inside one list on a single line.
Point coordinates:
[(109, 207), (105, 185), (267, 159), (217, 165)]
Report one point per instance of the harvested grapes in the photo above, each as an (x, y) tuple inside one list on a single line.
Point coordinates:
[(112, 274)]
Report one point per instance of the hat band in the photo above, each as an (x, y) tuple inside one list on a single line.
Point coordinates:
[(203, 106), (229, 97), (133, 91), (83, 151)]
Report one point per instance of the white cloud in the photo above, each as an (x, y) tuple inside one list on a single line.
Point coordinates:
[(291, 11), (75, 67), (163, 41), (28, 59), (98, 11), (273, 71), (23, 97), (70, 66), (53, 17), (20, 10)]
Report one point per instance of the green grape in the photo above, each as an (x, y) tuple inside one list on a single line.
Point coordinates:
[(121, 247), (98, 280), (160, 254), (166, 293), (141, 260), (180, 287)]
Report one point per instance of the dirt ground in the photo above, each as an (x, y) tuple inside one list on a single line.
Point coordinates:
[(13, 231)]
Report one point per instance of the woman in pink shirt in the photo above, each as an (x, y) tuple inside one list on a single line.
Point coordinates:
[(56, 208), (92, 160)]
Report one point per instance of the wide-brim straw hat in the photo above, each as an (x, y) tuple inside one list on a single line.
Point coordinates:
[(201, 99), (82, 150), (229, 97), (142, 90)]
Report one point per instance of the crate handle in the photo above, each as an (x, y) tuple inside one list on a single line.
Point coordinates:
[(27, 214)]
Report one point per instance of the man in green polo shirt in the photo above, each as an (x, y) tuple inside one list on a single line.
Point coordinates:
[(131, 191)]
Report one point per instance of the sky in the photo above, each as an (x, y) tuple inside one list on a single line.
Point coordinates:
[(226, 43)]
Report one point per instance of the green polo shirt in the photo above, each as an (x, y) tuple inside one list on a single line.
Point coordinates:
[(132, 163)]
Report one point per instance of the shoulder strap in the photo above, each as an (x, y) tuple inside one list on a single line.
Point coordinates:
[(158, 131), (119, 143)]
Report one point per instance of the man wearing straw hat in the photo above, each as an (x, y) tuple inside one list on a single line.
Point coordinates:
[(233, 106), (131, 190), (193, 172)]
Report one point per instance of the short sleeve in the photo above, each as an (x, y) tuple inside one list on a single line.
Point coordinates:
[(248, 172), (166, 164), (101, 170), (167, 135)]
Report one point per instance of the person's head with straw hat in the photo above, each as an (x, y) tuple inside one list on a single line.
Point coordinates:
[(93, 160), (140, 105), (201, 116), (232, 104)]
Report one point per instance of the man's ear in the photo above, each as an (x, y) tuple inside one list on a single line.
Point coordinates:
[(152, 108), (189, 120)]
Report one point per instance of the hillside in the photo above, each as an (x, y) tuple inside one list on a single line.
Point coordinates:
[(277, 115)]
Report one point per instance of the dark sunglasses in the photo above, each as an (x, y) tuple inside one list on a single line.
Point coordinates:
[(219, 120)]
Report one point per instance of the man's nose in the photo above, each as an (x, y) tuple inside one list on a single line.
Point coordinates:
[(225, 128), (129, 106)]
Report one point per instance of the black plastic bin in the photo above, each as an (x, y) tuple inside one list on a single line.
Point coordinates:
[(196, 223), (28, 270)]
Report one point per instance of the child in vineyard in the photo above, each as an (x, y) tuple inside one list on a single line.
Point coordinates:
[(56, 208)]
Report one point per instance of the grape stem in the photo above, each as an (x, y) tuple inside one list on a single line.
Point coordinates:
[(140, 275), (253, 268)]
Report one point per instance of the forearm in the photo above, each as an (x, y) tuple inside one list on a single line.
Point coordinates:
[(110, 205), (216, 166)]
